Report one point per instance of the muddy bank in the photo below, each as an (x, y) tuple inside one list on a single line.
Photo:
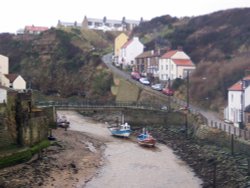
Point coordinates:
[(71, 161), (208, 161)]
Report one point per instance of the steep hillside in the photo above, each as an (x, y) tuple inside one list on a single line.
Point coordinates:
[(218, 43), (61, 63)]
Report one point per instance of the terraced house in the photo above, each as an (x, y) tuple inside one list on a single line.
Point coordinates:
[(147, 63), (175, 64)]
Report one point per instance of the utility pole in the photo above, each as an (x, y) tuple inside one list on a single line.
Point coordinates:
[(187, 107)]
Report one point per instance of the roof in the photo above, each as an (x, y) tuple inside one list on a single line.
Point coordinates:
[(236, 87), (152, 53), (169, 54), (127, 43), (183, 62), (35, 28), (11, 77)]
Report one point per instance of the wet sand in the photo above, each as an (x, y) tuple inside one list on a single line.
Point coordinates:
[(128, 165)]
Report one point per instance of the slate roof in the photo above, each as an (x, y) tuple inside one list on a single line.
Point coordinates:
[(11, 77)]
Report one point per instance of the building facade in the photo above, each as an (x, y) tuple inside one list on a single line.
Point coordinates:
[(129, 51), (174, 64), (120, 40), (238, 102), (103, 24), (147, 63)]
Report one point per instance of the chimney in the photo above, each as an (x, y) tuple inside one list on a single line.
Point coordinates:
[(180, 48)]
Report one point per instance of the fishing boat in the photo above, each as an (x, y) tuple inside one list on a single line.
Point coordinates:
[(146, 139), (122, 130)]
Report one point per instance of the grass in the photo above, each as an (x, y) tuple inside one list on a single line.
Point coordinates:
[(127, 91)]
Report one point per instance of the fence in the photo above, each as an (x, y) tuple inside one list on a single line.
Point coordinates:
[(230, 129)]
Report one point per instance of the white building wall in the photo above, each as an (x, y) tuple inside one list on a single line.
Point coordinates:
[(19, 83), (234, 106), (173, 70), (4, 65), (131, 51), (247, 96), (4, 81), (3, 95), (163, 69)]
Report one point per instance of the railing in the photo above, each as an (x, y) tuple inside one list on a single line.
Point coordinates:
[(98, 104), (230, 129)]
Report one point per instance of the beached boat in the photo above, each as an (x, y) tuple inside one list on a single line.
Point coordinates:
[(62, 121), (146, 139), (122, 130)]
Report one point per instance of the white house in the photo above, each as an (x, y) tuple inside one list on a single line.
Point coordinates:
[(129, 51), (238, 100), (4, 69), (174, 64), (16, 81)]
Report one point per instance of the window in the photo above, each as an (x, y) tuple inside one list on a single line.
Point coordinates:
[(166, 67), (232, 97), (248, 118), (161, 67)]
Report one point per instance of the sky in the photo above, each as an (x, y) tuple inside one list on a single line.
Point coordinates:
[(16, 14)]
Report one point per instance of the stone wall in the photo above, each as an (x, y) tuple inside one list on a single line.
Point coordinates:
[(35, 131), (5, 138)]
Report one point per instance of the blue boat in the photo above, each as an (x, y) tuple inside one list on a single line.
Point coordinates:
[(146, 139), (122, 130)]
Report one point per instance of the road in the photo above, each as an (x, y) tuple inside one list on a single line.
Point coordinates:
[(128, 165), (209, 115)]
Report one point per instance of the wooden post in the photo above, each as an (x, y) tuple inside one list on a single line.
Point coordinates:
[(248, 165), (232, 144), (186, 124), (214, 174)]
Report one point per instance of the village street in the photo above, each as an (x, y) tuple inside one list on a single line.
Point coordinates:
[(128, 165)]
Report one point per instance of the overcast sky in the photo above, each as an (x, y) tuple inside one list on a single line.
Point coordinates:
[(15, 14)]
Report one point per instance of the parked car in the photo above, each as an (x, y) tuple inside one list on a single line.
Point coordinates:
[(228, 121), (144, 81), (164, 107), (135, 75), (168, 91), (157, 87)]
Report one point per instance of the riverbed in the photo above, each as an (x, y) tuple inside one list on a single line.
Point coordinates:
[(128, 165)]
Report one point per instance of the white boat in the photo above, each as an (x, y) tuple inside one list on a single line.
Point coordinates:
[(62, 121), (122, 130)]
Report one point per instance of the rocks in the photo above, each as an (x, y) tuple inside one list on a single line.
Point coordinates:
[(231, 171)]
